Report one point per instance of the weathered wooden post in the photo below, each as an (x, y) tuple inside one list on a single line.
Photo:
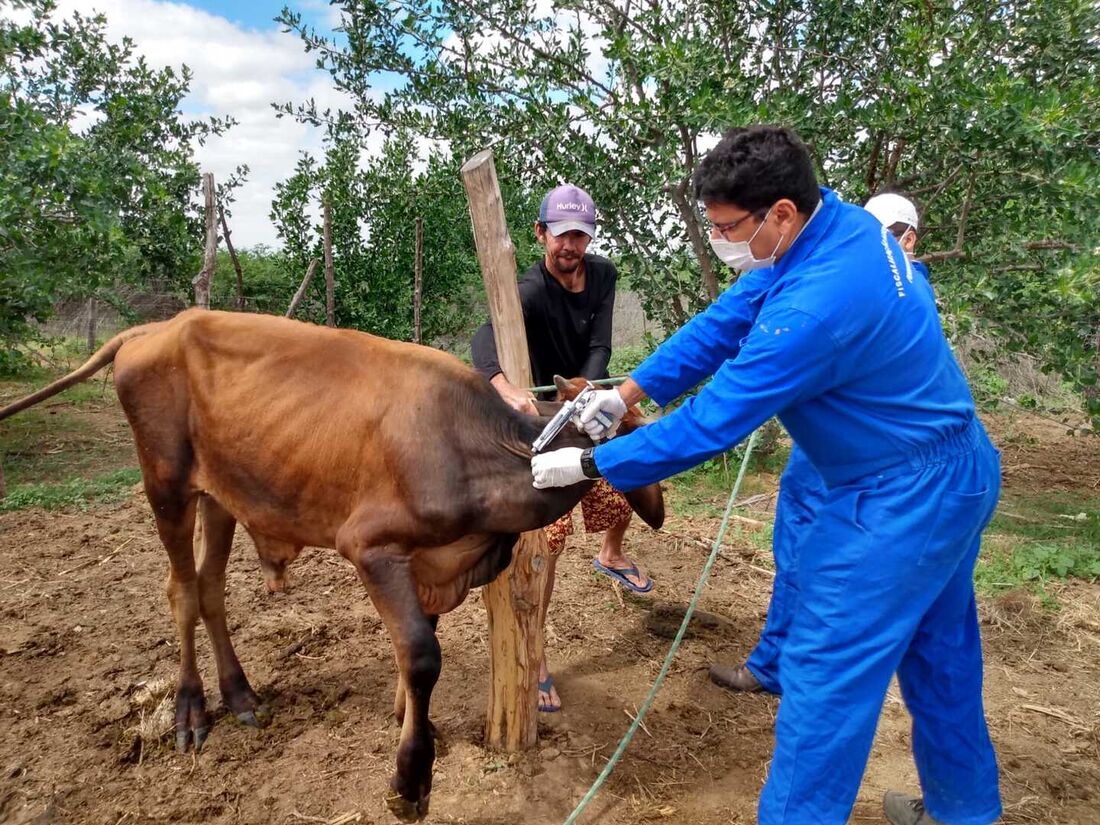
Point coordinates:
[(513, 601), (418, 278), (330, 274), (210, 254)]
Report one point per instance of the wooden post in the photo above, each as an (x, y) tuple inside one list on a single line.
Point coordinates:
[(514, 601), (330, 275), (210, 255), (418, 278), (91, 325), (301, 293), (233, 257)]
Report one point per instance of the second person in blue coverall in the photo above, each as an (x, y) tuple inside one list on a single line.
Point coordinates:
[(801, 490), (847, 349)]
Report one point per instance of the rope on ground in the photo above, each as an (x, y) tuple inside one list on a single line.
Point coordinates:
[(716, 549)]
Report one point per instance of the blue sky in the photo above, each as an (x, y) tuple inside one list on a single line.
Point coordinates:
[(241, 63), (259, 14), (252, 14)]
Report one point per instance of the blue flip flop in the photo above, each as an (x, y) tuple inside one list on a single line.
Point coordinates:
[(620, 575), (545, 688)]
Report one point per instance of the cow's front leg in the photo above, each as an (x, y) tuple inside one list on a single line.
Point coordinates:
[(386, 573)]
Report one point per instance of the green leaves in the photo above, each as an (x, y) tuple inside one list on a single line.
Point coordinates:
[(96, 168), (998, 100)]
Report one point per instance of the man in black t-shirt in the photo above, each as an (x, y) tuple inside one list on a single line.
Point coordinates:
[(568, 299)]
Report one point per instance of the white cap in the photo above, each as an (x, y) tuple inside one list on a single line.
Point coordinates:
[(891, 208)]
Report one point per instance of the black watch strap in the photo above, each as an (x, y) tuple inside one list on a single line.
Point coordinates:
[(588, 464)]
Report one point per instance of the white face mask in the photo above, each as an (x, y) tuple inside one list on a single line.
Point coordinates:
[(738, 254)]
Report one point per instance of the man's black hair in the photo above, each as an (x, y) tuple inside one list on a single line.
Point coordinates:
[(755, 166)]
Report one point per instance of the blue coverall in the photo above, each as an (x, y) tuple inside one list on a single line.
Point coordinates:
[(847, 350), (801, 493)]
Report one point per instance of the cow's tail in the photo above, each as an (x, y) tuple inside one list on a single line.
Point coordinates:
[(103, 356)]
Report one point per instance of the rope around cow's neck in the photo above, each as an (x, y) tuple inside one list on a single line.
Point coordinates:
[(714, 551)]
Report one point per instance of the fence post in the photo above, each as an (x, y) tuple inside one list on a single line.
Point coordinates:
[(418, 278), (210, 254), (330, 274), (513, 601)]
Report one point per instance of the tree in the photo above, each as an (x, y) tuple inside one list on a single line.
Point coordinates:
[(374, 211), (987, 111), (86, 210)]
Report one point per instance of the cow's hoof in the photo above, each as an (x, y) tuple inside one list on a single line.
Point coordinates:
[(405, 809), (258, 718), (192, 722), (187, 737)]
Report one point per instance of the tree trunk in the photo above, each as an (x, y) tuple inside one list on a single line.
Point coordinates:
[(514, 601), (209, 259), (233, 257), (696, 236), (91, 325), (330, 275), (418, 278)]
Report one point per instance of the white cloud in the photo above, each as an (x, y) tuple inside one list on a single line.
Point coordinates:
[(238, 72)]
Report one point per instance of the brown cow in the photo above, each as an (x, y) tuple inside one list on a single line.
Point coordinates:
[(399, 456)]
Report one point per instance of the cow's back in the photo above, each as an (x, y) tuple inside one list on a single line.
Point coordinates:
[(291, 425)]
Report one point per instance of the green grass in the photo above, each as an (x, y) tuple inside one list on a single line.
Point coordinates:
[(1037, 539), (80, 432), (77, 492), (1032, 541)]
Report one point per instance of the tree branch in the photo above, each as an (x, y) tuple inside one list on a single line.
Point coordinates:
[(301, 293), (1052, 244), (232, 257), (872, 164), (960, 236)]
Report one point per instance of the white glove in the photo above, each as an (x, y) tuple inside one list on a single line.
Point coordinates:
[(601, 416), (557, 468)]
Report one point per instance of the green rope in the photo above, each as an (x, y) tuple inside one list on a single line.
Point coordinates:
[(614, 381), (714, 551)]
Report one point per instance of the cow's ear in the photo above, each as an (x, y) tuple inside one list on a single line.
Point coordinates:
[(649, 503), (565, 391)]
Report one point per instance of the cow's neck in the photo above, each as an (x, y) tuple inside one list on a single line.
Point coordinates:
[(516, 505)]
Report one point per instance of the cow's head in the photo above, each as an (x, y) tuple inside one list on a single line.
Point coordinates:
[(648, 502)]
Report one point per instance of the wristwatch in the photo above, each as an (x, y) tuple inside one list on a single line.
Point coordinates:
[(588, 464)]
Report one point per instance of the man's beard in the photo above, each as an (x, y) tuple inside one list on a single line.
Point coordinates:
[(566, 266)]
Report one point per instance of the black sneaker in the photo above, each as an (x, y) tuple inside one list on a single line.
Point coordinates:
[(902, 809)]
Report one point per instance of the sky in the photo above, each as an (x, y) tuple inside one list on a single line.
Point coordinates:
[(242, 63)]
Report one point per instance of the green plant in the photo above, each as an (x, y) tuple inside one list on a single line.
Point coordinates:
[(625, 359), (988, 386), (1034, 564), (77, 492), (85, 212)]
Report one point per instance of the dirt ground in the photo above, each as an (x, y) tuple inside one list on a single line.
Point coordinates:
[(88, 653)]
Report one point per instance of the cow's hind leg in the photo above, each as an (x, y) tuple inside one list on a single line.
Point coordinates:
[(174, 510), (218, 526), (386, 574)]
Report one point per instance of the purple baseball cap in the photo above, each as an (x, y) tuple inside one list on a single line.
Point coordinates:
[(567, 208)]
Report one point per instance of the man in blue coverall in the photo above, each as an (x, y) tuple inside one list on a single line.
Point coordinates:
[(846, 348), (801, 492)]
